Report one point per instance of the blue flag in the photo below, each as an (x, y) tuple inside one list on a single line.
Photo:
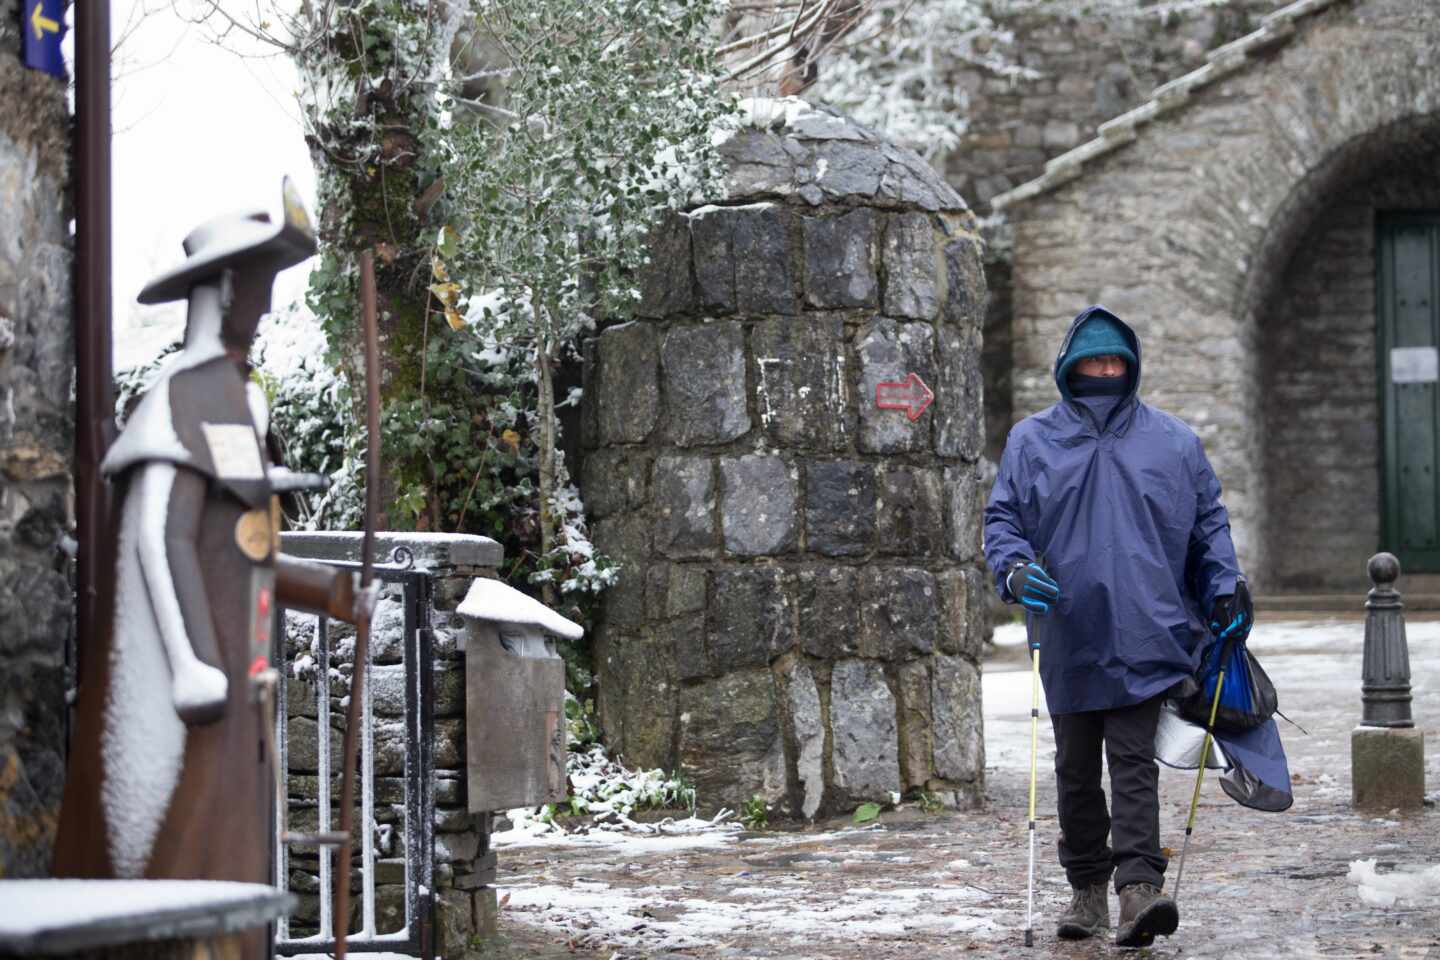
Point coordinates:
[(43, 27)]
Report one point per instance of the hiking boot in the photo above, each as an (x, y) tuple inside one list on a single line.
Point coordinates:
[(1144, 912), (1089, 912)]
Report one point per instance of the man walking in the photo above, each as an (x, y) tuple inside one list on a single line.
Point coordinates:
[(1105, 523)]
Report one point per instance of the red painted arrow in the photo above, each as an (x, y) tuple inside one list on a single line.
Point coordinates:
[(910, 395)]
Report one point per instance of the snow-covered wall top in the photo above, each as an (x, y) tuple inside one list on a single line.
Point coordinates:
[(70, 916), (428, 551), (789, 148)]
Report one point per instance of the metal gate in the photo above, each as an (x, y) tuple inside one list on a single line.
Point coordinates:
[(416, 936)]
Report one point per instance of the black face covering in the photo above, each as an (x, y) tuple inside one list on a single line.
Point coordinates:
[(1083, 386)]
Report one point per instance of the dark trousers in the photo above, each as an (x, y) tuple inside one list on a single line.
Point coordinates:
[(1128, 735)]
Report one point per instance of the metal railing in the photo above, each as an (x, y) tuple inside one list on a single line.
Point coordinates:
[(416, 936)]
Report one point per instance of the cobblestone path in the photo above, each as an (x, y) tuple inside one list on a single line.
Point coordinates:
[(952, 884)]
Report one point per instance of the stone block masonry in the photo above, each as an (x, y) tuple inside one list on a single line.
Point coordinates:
[(36, 440), (1087, 70), (1237, 236), (800, 608), (1387, 769)]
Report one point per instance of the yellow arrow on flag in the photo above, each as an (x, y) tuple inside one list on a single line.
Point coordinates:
[(42, 23)]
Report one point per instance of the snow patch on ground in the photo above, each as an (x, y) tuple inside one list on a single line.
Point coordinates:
[(1411, 886), (797, 908), (1283, 636), (622, 838), (634, 920)]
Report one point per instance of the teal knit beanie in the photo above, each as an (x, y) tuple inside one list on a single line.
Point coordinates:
[(1097, 337)]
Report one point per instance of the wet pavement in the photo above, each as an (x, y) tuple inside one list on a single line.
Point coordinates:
[(952, 884)]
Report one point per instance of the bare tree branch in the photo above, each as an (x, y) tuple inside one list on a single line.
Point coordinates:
[(256, 29), (802, 27)]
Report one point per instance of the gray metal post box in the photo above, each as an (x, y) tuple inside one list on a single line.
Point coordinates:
[(514, 698)]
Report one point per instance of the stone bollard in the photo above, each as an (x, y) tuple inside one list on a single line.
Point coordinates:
[(1387, 753)]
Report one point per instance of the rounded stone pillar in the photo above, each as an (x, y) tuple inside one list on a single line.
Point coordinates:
[(800, 610)]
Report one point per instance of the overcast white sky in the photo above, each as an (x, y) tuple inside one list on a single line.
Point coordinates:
[(198, 132)]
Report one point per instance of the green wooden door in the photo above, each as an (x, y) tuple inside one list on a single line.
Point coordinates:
[(1409, 334)]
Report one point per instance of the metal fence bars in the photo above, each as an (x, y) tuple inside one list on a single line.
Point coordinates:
[(416, 935)]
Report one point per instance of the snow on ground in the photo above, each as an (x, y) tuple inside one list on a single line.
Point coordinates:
[(825, 888), (788, 909), (1313, 687), (1406, 886), (657, 918), (622, 838), (1283, 636)]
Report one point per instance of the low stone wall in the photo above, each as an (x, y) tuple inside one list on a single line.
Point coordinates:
[(799, 614), (464, 861)]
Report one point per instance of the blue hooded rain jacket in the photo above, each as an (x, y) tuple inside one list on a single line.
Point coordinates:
[(1126, 516)]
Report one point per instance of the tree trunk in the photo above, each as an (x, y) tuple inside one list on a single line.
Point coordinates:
[(546, 413), (373, 207)]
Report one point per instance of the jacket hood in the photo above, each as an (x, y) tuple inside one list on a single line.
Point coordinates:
[(1083, 317)]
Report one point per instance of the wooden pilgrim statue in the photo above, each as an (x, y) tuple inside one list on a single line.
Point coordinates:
[(170, 775)]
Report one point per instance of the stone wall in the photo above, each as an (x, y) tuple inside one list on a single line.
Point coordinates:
[(1092, 68), (997, 359), (799, 613), (464, 861), (1323, 447), (36, 439), (1186, 227)]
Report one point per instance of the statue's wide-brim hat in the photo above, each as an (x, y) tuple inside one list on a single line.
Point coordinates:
[(233, 239)]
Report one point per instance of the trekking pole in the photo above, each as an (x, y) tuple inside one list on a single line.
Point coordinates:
[(1034, 740), (1204, 759)]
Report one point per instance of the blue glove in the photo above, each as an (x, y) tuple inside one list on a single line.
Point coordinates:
[(1033, 587), (1232, 615)]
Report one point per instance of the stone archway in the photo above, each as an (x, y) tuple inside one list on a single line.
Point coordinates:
[(1185, 214), (1311, 298)]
